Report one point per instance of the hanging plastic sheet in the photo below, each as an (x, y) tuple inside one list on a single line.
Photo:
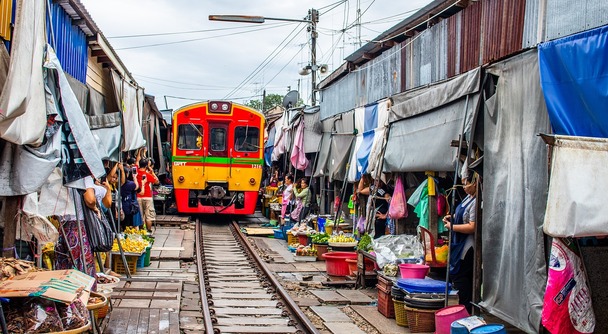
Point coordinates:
[(312, 129), (131, 101), (80, 154), (574, 77), (369, 122), (573, 202), (22, 104), (515, 193)]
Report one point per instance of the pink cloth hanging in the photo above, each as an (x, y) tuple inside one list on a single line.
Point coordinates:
[(298, 156)]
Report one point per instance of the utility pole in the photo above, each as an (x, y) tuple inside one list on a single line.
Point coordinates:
[(264, 102), (314, 18)]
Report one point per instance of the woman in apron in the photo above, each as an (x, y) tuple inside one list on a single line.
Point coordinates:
[(462, 241)]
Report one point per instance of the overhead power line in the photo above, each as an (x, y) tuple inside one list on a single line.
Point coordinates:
[(202, 38), (187, 32)]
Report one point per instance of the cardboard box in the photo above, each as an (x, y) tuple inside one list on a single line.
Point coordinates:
[(57, 285)]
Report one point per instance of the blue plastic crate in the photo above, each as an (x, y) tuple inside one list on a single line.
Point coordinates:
[(278, 234), (141, 261)]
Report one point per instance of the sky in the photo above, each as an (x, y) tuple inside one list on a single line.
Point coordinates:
[(179, 56)]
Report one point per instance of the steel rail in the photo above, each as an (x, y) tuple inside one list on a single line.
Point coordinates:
[(207, 322), (293, 308)]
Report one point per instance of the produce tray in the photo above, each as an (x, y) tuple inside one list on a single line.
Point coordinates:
[(342, 244), (300, 258), (103, 302)]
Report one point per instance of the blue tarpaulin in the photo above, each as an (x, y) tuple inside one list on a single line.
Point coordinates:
[(574, 78)]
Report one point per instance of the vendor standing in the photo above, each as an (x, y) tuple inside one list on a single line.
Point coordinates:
[(302, 195), (287, 194), (462, 252)]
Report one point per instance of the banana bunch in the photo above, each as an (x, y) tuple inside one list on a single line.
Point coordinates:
[(133, 230), (130, 245), (341, 238)]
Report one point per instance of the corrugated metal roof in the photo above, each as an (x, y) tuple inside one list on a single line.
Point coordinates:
[(427, 56), (562, 20)]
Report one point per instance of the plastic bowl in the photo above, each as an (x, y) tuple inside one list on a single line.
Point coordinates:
[(410, 270)]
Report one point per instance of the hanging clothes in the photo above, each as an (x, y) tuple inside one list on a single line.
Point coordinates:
[(298, 156), (420, 200)]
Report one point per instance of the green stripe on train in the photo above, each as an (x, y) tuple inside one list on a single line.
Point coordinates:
[(219, 160)]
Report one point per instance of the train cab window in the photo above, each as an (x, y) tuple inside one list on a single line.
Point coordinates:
[(189, 137), (217, 139), (246, 139)]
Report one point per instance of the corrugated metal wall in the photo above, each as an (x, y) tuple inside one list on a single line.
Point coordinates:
[(531, 24), (503, 23), (6, 18), (470, 30), (426, 56), (563, 17), (69, 42), (375, 80)]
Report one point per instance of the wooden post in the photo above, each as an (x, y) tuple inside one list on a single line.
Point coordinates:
[(10, 226), (433, 228)]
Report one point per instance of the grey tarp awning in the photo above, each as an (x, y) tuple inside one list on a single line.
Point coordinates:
[(425, 121), (515, 193), (312, 130), (335, 145), (412, 103)]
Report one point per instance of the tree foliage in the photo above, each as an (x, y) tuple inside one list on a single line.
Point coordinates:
[(271, 100)]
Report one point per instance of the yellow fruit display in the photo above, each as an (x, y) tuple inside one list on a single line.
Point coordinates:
[(341, 238), (133, 230), (130, 245)]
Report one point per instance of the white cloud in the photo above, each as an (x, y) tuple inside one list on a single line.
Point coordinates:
[(217, 65)]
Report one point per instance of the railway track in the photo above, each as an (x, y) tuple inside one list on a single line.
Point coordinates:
[(238, 292)]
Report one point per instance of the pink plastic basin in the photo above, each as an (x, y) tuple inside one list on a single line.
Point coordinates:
[(335, 262), (446, 316), (410, 270)]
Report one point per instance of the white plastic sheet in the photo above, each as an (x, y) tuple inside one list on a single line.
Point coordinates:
[(576, 194), (130, 98), (22, 105)]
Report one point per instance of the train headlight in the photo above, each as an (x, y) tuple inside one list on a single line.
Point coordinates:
[(213, 106), (251, 181), (225, 107), (181, 179)]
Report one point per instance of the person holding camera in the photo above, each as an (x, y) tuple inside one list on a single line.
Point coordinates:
[(146, 178)]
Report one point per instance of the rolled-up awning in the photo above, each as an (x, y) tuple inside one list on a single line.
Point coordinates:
[(422, 142), (426, 120)]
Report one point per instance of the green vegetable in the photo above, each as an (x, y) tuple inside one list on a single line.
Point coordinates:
[(365, 243), (320, 238)]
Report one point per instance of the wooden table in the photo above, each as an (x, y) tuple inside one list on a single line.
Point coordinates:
[(362, 273)]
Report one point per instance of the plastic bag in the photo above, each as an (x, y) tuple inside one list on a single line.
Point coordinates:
[(398, 206), (389, 248), (71, 315), (98, 230), (36, 315), (567, 304)]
